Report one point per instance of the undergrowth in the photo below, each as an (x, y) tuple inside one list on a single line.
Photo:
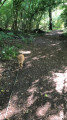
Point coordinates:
[(4, 37), (65, 32), (9, 53), (27, 39), (10, 50)]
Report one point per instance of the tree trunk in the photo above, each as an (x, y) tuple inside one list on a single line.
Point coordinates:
[(38, 21), (15, 15), (50, 19)]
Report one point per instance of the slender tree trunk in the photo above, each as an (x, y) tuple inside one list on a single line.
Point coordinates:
[(38, 21), (50, 19), (6, 24), (15, 15)]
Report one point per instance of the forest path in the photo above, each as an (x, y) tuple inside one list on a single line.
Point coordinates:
[(40, 89)]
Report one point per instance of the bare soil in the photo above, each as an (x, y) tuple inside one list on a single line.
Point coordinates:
[(39, 90)]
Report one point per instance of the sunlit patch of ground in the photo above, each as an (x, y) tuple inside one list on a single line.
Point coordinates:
[(1, 70), (42, 110), (24, 52), (61, 81), (11, 109), (58, 116)]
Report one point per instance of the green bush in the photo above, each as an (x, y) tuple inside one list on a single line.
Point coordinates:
[(8, 53)]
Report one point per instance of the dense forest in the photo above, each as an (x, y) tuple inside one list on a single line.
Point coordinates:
[(26, 15)]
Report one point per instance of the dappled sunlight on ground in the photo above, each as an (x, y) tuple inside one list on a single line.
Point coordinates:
[(43, 56), (30, 100), (42, 110), (61, 81), (36, 81), (32, 90), (35, 58), (59, 116), (57, 32), (28, 65), (2, 114), (24, 52), (11, 109), (1, 70), (55, 44), (60, 32)]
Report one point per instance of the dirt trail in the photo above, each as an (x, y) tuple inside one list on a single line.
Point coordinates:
[(40, 88)]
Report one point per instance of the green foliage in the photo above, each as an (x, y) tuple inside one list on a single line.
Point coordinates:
[(10, 34), (5, 15), (58, 23), (65, 32), (26, 14), (8, 53), (4, 37), (28, 39), (64, 15), (1, 42)]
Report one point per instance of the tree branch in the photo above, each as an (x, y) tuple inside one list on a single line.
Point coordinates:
[(2, 3)]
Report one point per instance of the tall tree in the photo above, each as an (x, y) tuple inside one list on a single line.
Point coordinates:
[(15, 15), (50, 18)]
